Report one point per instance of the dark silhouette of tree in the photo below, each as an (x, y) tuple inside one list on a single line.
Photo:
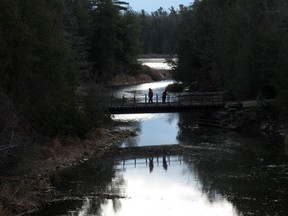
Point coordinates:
[(232, 45)]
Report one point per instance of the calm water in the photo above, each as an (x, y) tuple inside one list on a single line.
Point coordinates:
[(233, 174), (139, 91), (221, 173), (164, 190), (152, 129), (157, 63)]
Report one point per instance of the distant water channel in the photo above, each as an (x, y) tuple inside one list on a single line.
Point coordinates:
[(221, 173), (156, 63)]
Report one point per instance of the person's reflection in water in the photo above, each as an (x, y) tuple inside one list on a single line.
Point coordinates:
[(151, 165), (165, 166), (286, 144)]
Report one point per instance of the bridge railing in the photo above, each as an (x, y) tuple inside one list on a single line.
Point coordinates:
[(140, 100), (194, 98), (202, 98)]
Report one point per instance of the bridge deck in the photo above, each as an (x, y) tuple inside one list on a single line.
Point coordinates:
[(211, 101), (174, 103), (159, 108)]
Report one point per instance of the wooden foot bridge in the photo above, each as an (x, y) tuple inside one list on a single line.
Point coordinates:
[(173, 103)]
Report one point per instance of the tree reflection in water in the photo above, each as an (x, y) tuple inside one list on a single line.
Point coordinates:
[(243, 170), (95, 180), (238, 168)]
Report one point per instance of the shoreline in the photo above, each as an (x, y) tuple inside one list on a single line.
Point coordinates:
[(156, 56), (25, 193), (147, 75), (28, 186)]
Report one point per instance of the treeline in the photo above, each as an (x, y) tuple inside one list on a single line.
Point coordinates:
[(36, 71), (39, 71), (240, 46), (159, 31), (114, 35)]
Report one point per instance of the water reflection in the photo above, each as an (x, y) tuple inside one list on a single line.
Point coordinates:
[(165, 165), (161, 192), (196, 183), (165, 191), (85, 208), (151, 164), (286, 146), (153, 129), (140, 90), (156, 63)]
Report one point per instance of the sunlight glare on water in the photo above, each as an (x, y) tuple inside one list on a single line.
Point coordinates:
[(156, 63), (136, 117), (141, 89), (168, 192)]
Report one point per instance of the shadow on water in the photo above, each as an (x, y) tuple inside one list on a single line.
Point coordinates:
[(249, 170)]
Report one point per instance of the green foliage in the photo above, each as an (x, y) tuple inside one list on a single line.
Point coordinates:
[(38, 74), (262, 112), (36, 63), (82, 11), (175, 87), (158, 31), (104, 38), (282, 74), (231, 45), (247, 51), (95, 111), (196, 44), (115, 39), (129, 36)]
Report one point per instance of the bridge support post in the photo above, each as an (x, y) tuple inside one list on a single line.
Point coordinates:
[(157, 99)]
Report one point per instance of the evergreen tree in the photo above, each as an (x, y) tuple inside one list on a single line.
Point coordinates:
[(158, 31), (38, 75)]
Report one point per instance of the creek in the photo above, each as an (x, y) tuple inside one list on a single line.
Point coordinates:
[(221, 172)]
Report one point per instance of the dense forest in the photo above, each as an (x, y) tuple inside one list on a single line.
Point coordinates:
[(50, 48), (236, 46), (50, 51), (240, 46), (158, 31), (224, 45)]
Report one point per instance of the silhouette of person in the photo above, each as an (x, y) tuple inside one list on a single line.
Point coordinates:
[(165, 166), (151, 164), (150, 95), (164, 94)]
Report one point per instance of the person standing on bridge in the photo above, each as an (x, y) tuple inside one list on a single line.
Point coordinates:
[(150, 95), (164, 94)]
